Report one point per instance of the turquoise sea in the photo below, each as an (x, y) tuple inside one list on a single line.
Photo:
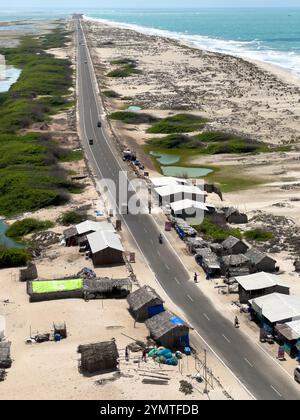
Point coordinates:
[(271, 35)]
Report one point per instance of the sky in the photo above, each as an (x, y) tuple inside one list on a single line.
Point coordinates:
[(85, 4)]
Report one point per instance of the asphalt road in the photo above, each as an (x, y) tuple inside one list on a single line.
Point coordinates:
[(259, 373)]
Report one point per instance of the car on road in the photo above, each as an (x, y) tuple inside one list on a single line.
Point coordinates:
[(99, 124), (297, 374), (91, 142)]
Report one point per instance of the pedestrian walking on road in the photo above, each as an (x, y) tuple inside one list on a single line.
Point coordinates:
[(126, 354), (144, 356), (196, 278)]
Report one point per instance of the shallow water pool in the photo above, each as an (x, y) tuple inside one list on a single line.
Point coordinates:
[(9, 77), (7, 242), (181, 172), (165, 159)]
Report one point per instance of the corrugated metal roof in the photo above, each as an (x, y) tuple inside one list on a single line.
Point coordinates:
[(295, 327), (91, 226), (104, 239), (277, 307), (162, 181), (168, 190), (259, 281), (187, 204), (257, 256)]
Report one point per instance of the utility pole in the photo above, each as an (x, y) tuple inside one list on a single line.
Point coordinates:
[(205, 372)]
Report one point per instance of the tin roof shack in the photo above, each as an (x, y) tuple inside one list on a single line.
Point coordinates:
[(235, 265), (162, 181), (260, 284), (106, 248), (44, 290), (288, 334), (168, 330), (189, 209), (234, 246), (103, 288), (98, 357), (145, 303), (261, 261), (173, 193), (209, 262), (276, 308), (193, 244), (74, 235), (5, 359), (184, 230), (233, 216)]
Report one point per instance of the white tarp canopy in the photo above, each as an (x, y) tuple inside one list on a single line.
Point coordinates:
[(277, 307), (260, 281), (101, 240)]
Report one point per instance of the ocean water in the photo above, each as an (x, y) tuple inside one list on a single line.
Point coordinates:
[(271, 35)]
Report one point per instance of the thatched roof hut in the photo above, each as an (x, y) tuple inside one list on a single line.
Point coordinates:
[(99, 356), (5, 360), (169, 330), (145, 303), (106, 287)]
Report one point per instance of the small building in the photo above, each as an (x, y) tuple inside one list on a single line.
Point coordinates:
[(172, 193), (106, 248), (209, 262), (276, 308), (194, 244), (233, 216), (101, 288), (235, 265), (168, 330), (61, 329), (261, 261), (28, 273), (188, 209), (260, 284), (99, 357), (75, 235), (145, 303), (162, 181), (44, 290), (5, 359), (288, 334), (234, 246)]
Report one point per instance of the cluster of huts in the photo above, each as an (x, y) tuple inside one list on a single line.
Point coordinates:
[(98, 240), (145, 305), (167, 329), (5, 354)]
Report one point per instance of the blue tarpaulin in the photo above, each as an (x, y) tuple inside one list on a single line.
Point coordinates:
[(155, 310)]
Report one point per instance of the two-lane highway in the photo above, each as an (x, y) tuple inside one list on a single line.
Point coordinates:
[(261, 375)]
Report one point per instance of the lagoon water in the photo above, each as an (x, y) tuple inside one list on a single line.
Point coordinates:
[(12, 75), (182, 172), (4, 241), (165, 159)]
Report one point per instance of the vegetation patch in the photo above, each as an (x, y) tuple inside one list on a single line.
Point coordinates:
[(211, 231), (72, 156), (26, 226), (71, 218), (180, 123), (127, 69), (30, 177), (111, 94), (128, 117), (258, 235), (11, 257)]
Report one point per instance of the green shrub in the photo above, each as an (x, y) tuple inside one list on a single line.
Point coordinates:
[(71, 218), (11, 257), (180, 123), (72, 156), (26, 226), (111, 94), (216, 233), (132, 117), (125, 71), (258, 235)]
